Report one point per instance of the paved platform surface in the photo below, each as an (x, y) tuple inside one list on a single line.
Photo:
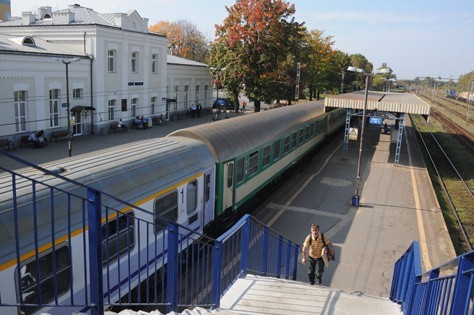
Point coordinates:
[(397, 206)]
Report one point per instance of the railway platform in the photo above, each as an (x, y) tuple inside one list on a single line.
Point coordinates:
[(397, 205)]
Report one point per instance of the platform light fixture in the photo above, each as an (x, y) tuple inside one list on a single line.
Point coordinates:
[(356, 196), (67, 62)]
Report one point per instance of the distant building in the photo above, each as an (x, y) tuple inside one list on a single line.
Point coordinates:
[(122, 72), (5, 10)]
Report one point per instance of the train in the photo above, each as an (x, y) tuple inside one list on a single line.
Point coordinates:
[(196, 177), (462, 96)]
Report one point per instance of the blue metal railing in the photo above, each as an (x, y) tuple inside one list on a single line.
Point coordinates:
[(447, 289), (110, 253)]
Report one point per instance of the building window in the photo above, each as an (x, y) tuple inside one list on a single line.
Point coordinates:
[(153, 105), (133, 106), (165, 208), (186, 92), (206, 88), (196, 98), (35, 274), (77, 93), (54, 108), (20, 110), (154, 63), (134, 62), (111, 108), (176, 97), (111, 60)]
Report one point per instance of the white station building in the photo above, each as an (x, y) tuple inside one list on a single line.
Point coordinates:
[(114, 66)]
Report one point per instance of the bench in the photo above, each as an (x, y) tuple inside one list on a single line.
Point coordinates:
[(25, 143), (59, 134), (7, 143), (115, 127)]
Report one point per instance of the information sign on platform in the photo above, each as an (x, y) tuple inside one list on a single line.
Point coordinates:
[(375, 120)]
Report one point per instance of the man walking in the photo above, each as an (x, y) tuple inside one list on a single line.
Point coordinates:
[(315, 242)]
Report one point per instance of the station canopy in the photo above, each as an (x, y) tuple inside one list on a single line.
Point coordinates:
[(379, 101)]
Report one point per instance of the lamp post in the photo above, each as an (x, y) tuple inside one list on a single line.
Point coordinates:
[(69, 143), (356, 197)]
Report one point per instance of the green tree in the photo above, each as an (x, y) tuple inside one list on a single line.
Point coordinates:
[(340, 63), (319, 54), (253, 46)]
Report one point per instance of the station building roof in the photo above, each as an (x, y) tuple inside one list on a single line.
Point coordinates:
[(380, 101)]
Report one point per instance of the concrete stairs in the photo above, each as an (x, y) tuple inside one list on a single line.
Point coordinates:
[(255, 295)]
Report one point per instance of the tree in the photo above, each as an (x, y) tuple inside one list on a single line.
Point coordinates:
[(319, 54), (185, 39), (340, 63), (254, 45)]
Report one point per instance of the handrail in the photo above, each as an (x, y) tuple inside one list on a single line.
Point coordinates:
[(114, 250), (447, 289)]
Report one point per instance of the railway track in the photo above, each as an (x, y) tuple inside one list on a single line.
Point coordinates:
[(457, 191), (461, 134)]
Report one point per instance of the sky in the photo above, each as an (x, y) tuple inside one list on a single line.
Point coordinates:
[(416, 38)]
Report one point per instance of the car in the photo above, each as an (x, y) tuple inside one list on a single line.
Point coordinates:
[(224, 103)]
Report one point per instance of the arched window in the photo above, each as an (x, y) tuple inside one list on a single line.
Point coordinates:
[(29, 41)]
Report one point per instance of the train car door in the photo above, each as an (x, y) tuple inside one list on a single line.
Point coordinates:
[(228, 199), (207, 198)]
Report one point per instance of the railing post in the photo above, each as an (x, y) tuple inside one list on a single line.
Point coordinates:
[(95, 251), (264, 251), (414, 280), (216, 274), (280, 254), (434, 274), (461, 292), (295, 266), (244, 248), (288, 259), (172, 268)]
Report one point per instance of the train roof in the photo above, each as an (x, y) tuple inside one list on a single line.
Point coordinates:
[(229, 138), (131, 172)]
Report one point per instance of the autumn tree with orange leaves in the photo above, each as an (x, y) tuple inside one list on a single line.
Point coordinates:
[(257, 44), (186, 41)]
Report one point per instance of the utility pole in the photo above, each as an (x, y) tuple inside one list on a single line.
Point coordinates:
[(297, 92)]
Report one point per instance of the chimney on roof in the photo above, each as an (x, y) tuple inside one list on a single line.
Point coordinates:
[(44, 12), (27, 18), (63, 17)]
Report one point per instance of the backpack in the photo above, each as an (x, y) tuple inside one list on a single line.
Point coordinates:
[(331, 257)]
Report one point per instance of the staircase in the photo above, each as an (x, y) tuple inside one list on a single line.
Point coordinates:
[(263, 295)]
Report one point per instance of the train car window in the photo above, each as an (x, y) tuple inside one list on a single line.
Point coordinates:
[(191, 196), (286, 145), (207, 187), (308, 132), (276, 150), (253, 163), (165, 208), (301, 137), (318, 127), (44, 269), (313, 129), (230, 174), (266, 155), (294, 139), (118, 237), (240, 170)]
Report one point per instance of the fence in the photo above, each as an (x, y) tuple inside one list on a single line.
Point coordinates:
[(68, 247), (447, 289)]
